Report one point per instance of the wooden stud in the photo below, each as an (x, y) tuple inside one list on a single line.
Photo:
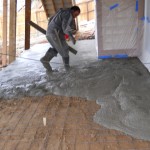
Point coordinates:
[(27, 26), (12, 31), (87, 13), (73, 2), (4, 50), (62, 1), (46, 11), (54, 5), (141, 9), (76, 20), (44, 32), (140, 31)]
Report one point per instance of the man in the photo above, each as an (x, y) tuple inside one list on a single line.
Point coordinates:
[(59, 25)]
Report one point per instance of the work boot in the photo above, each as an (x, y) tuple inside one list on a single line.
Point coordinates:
[(48, 56), (47, 66), (46, 59), (66, 63)]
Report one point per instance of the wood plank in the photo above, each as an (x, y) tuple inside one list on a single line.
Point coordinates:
[(37, 27), (141, 9), (62, 1), (44, 32), (4, 49), (44, 6), (54, 5), (87, 12), (27, 26), (73, 2), (12, 31)]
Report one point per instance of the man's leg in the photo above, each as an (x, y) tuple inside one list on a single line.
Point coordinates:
[(66, 62), (47, 58), (58, 41)]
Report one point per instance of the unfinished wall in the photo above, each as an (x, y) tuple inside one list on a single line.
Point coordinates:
[(87, 10), (119, 28)]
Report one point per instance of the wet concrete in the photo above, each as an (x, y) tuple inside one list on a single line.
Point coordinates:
[(120, 86), (27, 77)]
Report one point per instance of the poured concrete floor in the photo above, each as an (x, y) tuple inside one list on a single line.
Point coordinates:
[(120, 87)]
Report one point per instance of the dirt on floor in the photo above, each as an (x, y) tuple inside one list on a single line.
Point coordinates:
[(69, 126)]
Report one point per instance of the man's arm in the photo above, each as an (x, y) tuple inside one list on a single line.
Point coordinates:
[(66, 25)]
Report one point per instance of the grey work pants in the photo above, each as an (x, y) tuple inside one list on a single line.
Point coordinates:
[(60, 45)]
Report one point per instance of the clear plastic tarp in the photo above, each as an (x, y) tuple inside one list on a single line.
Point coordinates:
[(119, 27)]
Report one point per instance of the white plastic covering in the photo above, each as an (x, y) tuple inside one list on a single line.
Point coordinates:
[(119, 27), (145, 51)]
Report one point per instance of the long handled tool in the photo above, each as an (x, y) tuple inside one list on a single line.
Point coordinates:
[(44, 32)]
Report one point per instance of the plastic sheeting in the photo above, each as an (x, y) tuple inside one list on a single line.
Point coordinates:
[(119, 28), (145, 51)]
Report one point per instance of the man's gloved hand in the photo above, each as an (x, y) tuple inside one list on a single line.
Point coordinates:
[(73, 40)]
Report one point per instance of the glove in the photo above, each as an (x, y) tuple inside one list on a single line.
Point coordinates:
[(73, 40)]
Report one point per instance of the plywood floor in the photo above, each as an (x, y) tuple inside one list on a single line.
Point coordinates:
[(69, 126)]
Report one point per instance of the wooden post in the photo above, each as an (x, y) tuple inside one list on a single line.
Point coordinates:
[(12, 31), (62, 1), (4, 49), (141, 9), (27, 26), (73, 2), (36, 18), (76, 20), (54, 5), (44, 32), (87, 11), (45, 8)]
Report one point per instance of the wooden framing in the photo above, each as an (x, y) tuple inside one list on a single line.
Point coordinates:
[(9, 52), (141, 9), (45, 8), (62, 1), (44, 32), (27, 26), (12, 31), (54, 5), (4, 49)]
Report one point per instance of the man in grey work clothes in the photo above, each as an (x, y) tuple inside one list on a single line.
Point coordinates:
[(59, 25)]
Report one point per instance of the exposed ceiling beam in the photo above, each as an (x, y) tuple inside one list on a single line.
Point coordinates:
[(54, 5), (43, 3), (62, 1)]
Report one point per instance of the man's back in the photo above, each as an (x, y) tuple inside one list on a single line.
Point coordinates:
[(60, 20)]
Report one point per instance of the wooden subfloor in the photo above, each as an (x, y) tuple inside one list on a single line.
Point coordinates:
[(69, 126)]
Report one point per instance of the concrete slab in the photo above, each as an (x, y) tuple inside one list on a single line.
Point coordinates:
[(120, 86)]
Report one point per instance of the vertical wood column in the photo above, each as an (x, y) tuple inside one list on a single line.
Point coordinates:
[(87, 11), (4, 49), (62, 1), (27, 26), (54, 5), (141, 8), (12, 31), (140, 30), (75, 20), (43, 3)]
